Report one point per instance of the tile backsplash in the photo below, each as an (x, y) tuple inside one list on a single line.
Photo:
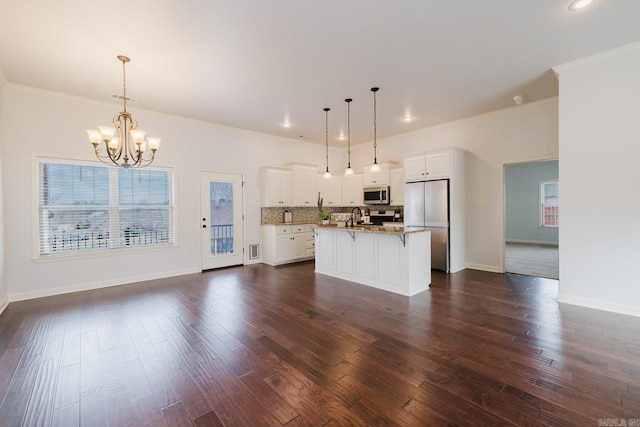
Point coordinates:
[(306, 215)]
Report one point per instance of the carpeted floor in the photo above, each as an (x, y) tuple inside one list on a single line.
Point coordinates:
[(532, 260)]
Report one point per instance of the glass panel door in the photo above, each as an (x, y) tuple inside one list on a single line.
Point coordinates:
[(221, 222)]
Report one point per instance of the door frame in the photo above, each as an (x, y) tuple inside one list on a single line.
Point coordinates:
[(208, 176), (504, 203)]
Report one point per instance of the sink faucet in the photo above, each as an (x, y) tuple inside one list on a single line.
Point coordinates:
[(352, 210)]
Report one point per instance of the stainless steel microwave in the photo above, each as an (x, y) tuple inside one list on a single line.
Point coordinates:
[(376, 196)]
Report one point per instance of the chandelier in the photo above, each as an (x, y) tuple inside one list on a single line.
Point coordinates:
[(124, 144)]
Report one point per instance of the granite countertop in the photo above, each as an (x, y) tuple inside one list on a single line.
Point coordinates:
[(374, 229), (290, 223)]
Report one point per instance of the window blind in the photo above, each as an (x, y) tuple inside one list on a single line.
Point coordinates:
[(88, 208)]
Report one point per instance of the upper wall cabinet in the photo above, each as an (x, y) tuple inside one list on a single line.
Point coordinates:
[(352, 190), (304, 185), (428, 166), (330, 190), (275, 187), (378, 179), (396, 177)]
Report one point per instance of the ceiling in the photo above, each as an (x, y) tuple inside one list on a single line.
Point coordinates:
[(256, 64)]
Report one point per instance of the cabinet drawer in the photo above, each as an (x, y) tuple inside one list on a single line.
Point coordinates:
[(311, 244), (311, 252), (284, 229)]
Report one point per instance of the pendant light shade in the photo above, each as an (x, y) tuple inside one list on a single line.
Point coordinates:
[(326, 174), (375, 167), (348, 171)]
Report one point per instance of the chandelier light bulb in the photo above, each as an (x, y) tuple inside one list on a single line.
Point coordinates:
[(348, 171)]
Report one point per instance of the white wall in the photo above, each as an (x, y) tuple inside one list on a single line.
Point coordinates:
[(4, 296), (600, 176), (522, 202), (38, 123), (522, 133)]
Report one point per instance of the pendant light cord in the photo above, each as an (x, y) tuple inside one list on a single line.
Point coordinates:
[(375, 143), (348, 100), (326, 135)]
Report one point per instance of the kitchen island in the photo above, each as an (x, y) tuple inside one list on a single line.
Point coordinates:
[(395, 259)]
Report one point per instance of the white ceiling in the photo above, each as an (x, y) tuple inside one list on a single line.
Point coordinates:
[(255, 64)]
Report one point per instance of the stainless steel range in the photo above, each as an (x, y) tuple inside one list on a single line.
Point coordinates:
[(379, 217)]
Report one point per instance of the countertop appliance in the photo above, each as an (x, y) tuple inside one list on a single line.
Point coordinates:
[(426, 204), (376, 196)]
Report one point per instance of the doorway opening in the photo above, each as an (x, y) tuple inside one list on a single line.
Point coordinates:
[(532, 218)]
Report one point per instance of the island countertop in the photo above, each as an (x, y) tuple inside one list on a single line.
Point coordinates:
[(380, 229)]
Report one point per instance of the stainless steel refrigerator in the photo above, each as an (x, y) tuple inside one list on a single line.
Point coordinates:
[(426, 204)]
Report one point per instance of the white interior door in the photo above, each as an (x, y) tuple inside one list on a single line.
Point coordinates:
[(221, 220)]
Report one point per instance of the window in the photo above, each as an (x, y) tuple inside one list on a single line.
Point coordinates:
[(549, 203), (87, 208)]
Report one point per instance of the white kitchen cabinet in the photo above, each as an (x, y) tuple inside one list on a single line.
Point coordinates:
[(396, 178), (352, 190), (378, 179), (330, 190), (304, 185), (287, 243), (275, 187), (428, 166), (397, 263)]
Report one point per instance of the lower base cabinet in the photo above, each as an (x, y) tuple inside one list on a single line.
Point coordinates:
[(395, 263), (283, 244)]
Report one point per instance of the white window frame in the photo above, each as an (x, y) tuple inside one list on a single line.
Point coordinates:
[(542, 204), (114, 248)]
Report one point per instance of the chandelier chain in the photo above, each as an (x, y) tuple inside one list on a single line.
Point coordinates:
[(124, 86)]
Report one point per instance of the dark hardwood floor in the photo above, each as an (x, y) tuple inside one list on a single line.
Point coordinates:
[(264, 346)]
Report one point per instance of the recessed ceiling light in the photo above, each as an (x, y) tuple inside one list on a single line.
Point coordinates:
[(341, 137), (407, 118), (286, 125), (580, 4)]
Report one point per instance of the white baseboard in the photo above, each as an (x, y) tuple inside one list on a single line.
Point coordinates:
[(599, 305), (97, 285), (4, 303), (483, 267), (532, 242)]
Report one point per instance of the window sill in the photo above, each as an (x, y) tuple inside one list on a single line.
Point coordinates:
[(61, 257)]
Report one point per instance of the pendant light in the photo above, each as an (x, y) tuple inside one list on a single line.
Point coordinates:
[(375, 167), (348, 171), (326, 174)]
